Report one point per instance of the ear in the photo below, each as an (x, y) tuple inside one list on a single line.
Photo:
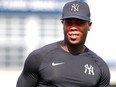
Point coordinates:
[(89, 24), (62, 21)]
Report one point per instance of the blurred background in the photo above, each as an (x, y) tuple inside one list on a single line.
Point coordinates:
[(26, 25)]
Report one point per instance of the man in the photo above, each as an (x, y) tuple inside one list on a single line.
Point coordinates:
[(67, 63)]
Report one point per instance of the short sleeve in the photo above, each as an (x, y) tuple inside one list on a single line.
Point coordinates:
[(30, 76)]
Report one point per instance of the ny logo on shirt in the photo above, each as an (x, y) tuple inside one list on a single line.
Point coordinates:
[(75, 7), (89, 69)]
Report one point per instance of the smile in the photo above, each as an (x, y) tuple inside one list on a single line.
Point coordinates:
[(73, 36)]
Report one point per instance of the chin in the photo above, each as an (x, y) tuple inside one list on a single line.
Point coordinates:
[(74, 42), (70, 42)]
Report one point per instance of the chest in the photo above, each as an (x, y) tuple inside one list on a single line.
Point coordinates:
[(70, 69)]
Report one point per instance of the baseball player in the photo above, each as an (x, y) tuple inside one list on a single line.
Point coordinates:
[(67, 63)]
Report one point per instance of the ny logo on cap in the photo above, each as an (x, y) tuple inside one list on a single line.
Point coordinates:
[(75, 7)]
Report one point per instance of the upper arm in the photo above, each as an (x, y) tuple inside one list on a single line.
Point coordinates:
[(27, 80), (29, 76), (105, 76)]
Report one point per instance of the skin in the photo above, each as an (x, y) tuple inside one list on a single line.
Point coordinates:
[(75, 33)]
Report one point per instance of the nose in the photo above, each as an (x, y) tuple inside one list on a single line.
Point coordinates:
[(74, 28)]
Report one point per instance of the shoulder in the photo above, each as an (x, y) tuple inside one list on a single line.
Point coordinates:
[(45, 49), (96, 58), (100, 62), (40, 52), (37, 56), (104, 69)]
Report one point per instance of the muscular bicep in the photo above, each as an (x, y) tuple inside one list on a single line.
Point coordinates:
[(30, 75), (105, 77), (28, 80)]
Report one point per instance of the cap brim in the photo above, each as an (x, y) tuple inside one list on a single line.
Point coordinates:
[(78, 17)]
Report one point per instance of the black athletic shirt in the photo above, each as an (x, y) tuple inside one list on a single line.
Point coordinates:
[(51, 66)]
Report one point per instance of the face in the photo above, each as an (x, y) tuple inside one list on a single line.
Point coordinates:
[(75, 30)]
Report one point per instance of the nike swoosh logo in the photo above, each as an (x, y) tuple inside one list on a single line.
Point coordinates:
[(55, 64)]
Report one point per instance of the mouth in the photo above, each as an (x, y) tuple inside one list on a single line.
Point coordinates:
[(73, 36)]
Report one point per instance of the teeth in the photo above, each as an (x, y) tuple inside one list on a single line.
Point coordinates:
[(73, 36)]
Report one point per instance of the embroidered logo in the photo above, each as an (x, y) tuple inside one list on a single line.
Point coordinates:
[(74, 7), (55, 64), (89, 69)]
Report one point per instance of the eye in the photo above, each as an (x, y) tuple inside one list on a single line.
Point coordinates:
[(80, 23), (68, 23)]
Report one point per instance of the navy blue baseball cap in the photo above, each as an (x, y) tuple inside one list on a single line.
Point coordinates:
[(76, 9)]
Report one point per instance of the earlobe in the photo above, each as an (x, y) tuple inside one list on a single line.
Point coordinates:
[(89, 28)]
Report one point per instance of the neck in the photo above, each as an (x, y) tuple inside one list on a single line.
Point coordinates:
[(73, 49)]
